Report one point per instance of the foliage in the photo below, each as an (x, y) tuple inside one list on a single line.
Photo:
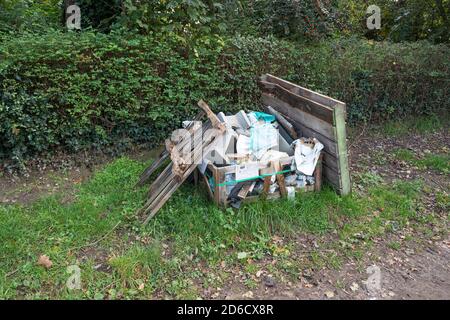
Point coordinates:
[(417, 19), (410, 20), (95, 90), (99, 14), (190, 19), (186, 19), (28, 15), (182, 17), (282, 18), (379, 80)]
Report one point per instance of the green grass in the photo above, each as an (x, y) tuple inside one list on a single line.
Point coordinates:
[(443, 201), (422, 124), (404, 154), (188, 240), (436, 162)]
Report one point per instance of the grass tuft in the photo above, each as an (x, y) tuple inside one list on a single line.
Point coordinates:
[(437, 162)]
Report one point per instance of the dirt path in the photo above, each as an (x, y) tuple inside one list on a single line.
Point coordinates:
[(420, 275)]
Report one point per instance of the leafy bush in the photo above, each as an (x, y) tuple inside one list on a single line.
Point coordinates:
[(380, 80), (410, 20), (80, 90), (28, 15), (283, 18)]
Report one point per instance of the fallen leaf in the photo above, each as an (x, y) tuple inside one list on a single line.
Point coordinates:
[(15, 131), (45, 261), (329, 294), (141, 287), (242, 255), (259, 273), (215, 295), (248, 294), (277, 239), (354, 286)]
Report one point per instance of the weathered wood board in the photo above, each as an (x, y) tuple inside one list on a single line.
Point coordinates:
[(313, 115)]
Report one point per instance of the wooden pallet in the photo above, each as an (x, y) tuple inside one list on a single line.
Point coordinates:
[(219, 195)]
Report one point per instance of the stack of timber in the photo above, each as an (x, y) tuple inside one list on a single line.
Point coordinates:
[(185, 152)]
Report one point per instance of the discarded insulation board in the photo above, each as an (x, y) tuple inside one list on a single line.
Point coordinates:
[(313, 115), (247, 171)]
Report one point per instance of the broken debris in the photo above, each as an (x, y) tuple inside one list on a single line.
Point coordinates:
[(261, 153)]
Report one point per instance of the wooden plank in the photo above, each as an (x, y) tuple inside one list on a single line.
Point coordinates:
[(330, 152), (166, 188), (159, 183), (216, 187), (312, 95), (196, 177), (179, 165), (330, 146), (222, 190), (316, 109), (335, 163), (271, 171), (330, 160), (169, 185), (166, 194), (168, 173), (280, 178), (318, 174), (284, 123), (266, 187), (341, 135), (173, 184), (332, 177), (307, 120), (153, 167), (216, 123), (206, 182), (245, 190), (160, 180), (227, 169), (165, 154)]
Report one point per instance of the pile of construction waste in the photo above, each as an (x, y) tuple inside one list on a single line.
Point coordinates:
[(258, 153)]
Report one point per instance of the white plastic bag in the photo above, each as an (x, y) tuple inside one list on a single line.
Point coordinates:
[(306, 157)]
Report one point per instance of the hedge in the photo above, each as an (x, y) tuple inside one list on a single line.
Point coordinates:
[(73, 91)]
